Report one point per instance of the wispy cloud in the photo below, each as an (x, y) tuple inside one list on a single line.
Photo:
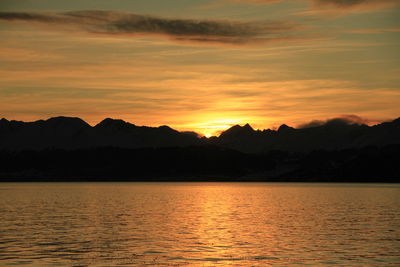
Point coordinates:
[(349, 6), (185, 30), (351, 3), (261, 2), (333, 6), (374, 31), (189, 97), (344, 119)]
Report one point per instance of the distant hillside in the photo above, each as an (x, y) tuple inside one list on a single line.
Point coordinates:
[(335, 134), (74, 133)]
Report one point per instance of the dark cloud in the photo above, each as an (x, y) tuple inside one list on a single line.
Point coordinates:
[(258, 1), (124, 23), (346, 6), (343, 3), (350, 3), (345, 119), (335, 5)]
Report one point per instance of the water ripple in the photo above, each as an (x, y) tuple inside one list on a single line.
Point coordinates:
[(204, 224)]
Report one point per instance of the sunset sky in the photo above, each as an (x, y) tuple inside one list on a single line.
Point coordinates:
[(200, 65)]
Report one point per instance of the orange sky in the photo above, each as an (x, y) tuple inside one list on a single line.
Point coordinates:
[(200, 65)]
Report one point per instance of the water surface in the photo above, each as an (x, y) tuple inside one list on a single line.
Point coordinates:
[(204, 224)]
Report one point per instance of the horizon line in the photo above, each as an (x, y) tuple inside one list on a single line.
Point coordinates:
[(346, 119)]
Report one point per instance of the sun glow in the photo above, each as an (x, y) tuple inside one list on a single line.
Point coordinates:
[(214, 127)]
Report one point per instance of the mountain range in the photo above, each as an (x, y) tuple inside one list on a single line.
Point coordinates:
[(74, 133)]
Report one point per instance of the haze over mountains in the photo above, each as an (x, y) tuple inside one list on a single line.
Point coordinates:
[(74, 133)]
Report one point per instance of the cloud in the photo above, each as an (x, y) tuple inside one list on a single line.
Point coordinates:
[(396, 29), (351, 3), (189, 30), (374, 31), (259, 2), (342, 120), (219, 3), (349, 6), (334, 6)]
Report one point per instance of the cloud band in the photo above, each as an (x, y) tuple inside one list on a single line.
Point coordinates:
[(124, 23)]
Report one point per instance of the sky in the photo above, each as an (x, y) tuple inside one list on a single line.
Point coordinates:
[(200, 65)]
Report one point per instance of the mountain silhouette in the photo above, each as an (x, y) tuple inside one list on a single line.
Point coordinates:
[(335, 134), (69, 149), (74, 133)]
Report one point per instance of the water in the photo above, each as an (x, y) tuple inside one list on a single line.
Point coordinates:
[(203, 224)]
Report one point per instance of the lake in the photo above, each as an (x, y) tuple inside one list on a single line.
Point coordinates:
[(203, 224)]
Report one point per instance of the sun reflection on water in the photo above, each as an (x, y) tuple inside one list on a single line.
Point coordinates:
[(203, 224)]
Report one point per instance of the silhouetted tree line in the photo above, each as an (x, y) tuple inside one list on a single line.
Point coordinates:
[(201, 163)]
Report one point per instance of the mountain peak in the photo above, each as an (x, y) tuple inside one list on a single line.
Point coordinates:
[(238, 130), (248, 127), (285, 128), (167, 129), (64, 118), (4, 122), (396, 121), (62, 121), (108, 122)]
